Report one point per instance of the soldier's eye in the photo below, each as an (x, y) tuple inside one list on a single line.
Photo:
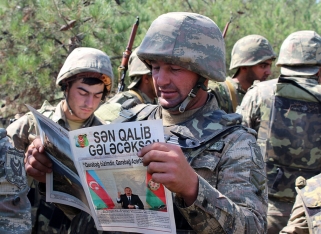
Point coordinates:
[(98, 95)]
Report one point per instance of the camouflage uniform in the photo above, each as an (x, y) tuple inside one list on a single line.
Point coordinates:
[(222, 93), (47, 218), (231, 197), (15, 207), (248, 51), (110, 110), (286, 113), (306, 213)]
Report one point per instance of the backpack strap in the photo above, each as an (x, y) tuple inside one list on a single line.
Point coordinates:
[(288, 81), (232, 92), (138, 112)]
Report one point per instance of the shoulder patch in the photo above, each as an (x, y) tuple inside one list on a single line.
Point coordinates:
[(217, 146), (15, 171)]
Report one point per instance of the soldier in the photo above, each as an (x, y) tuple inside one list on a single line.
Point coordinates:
[(15, 209), (252, 56), (213, 165), (306, 212), (141, 90), (286, 114), (85, 78)]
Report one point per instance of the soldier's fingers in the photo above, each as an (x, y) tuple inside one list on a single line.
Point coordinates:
[(37, 144), (153, 156), (42, 165), (155, 146), (36, 174), (156, 167), (42, 158), (39, 161)]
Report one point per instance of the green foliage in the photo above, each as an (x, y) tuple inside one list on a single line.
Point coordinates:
[(33, 44)]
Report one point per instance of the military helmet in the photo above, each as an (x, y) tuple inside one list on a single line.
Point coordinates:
[(189, 40), (251, 50), (300, 54), (85, 62), (136, 69)]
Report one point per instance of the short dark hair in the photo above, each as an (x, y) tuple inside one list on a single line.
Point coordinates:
[(88, 81)]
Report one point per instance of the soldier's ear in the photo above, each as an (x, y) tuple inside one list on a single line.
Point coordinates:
[(243, 68), (63, 87)]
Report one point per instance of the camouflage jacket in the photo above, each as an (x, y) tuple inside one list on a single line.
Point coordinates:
[(223, 96), (232, 197), (306, 213), (15, 209), (110, 110), (286, 114)]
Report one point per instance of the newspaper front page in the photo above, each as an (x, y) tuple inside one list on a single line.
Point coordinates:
[(94, 167)]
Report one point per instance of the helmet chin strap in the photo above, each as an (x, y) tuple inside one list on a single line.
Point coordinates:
[(66, 99), (181, 107)]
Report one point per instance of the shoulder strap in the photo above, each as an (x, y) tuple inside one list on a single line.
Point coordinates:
[(136, 94), (282, 80), (232, 92), (131, 114), (210, 144)]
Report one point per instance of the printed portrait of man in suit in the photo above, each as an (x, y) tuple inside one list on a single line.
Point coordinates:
[(129, 200)]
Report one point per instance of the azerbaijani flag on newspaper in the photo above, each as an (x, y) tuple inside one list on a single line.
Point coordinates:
[(98, 193), (155, 194)]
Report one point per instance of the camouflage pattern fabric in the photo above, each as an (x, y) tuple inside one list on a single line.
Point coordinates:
[(15, 209), (84, 60), (251, 50), (222, 93), (136, 69), (189, 40), (21, 134), (287, 120), (232, 197), (300, 54), (300, 48), (306, 213), (109, 111)]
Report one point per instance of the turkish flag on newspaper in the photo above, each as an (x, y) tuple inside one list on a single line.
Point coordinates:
[(98, 193), (155, 194)]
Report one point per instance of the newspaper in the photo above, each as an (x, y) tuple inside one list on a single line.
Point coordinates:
[(93, 166)]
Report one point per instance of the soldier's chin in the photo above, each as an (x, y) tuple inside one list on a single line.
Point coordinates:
[(166, 104)]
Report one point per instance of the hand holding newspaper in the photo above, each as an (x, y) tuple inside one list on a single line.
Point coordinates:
[(96, 169)]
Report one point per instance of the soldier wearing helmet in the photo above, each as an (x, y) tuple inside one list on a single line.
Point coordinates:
[(285, 113), (225, 187), (85, 78), (252, 56), (141, 90)]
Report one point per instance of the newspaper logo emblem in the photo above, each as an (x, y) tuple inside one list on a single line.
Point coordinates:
[(153, 185), (15, 172), (81, 141)]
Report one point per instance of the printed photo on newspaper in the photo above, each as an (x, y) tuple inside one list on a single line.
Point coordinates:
[(97, 170)]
